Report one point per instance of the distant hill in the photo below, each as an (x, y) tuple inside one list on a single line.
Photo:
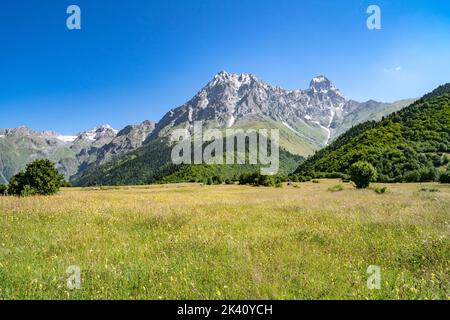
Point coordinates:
[(72, 154), (153, 164), (307, 119), (409, 145)]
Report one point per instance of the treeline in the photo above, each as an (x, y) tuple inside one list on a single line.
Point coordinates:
[(152, 164), (412, 145)]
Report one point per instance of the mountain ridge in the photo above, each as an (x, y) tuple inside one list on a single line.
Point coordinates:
[(410, 145), (307, 119)]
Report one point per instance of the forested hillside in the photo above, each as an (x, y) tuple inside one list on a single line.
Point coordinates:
[(410, 145), (152, 164)]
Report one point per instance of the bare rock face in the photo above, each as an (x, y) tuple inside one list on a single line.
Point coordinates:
[(126, 140), (231, 99), (72, 154)]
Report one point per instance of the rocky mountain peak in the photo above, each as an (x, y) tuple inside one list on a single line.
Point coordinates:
[(142, 129), (24, 131), (104, 131), (230, 99), (320, 84), (231, 80)]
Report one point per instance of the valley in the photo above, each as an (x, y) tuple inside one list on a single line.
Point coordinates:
[(301, 241)]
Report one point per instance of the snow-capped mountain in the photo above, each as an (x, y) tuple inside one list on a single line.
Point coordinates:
[(72, 154), (102, 132), (313, 115), (307, 119)]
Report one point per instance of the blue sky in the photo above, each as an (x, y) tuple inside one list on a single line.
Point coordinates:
[(134, 60)]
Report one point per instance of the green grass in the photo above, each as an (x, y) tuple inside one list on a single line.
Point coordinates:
[(227, 242), (336, 188)]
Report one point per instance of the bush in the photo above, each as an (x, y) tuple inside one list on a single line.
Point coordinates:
[(336, 188), (228, 181), (3, 190), (66, 184), (432, 190), (362, 173), (428, 175), (380, 190), (16, 184), (40, 177), (412, 176), (445, 177), (256, 179), (299, 178), (27, 191), (217, 180)]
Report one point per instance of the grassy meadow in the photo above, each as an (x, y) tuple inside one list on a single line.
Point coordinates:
[(302, 241)]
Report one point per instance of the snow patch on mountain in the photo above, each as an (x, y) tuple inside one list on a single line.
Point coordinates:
[(231, 121), (326, 129), (97, 133), (67, 138)]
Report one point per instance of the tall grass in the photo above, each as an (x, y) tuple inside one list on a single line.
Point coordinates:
[(227, 242)]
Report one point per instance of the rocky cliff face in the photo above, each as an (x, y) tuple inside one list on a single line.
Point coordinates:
[(232, 100)]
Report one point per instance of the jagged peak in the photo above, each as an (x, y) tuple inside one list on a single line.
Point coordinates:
[(97, 132), (224, 77), (104, 127), (143, 125), (323, 85), (320, 83)]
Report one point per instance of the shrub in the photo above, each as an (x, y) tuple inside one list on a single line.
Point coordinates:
[(412, 176), (217, 180), (445, 177), (429, 190), (333, 175), (336, 188), (16, 184), (247, 178), (66, 184), (27, 191), (3, 190), (315, 181), (299, 178), (267, 181), (362, 173), (40, 177), (209, 181), (256, 179), (428, 175), (278, 183), (380, 190), (228, 181)]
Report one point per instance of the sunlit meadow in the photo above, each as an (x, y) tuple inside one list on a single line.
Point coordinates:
[(302, 241)]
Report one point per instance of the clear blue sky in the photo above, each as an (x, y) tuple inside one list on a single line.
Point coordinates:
[(134, 60)]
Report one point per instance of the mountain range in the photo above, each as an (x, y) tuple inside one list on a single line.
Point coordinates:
[(308, 120), (411, 145)]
